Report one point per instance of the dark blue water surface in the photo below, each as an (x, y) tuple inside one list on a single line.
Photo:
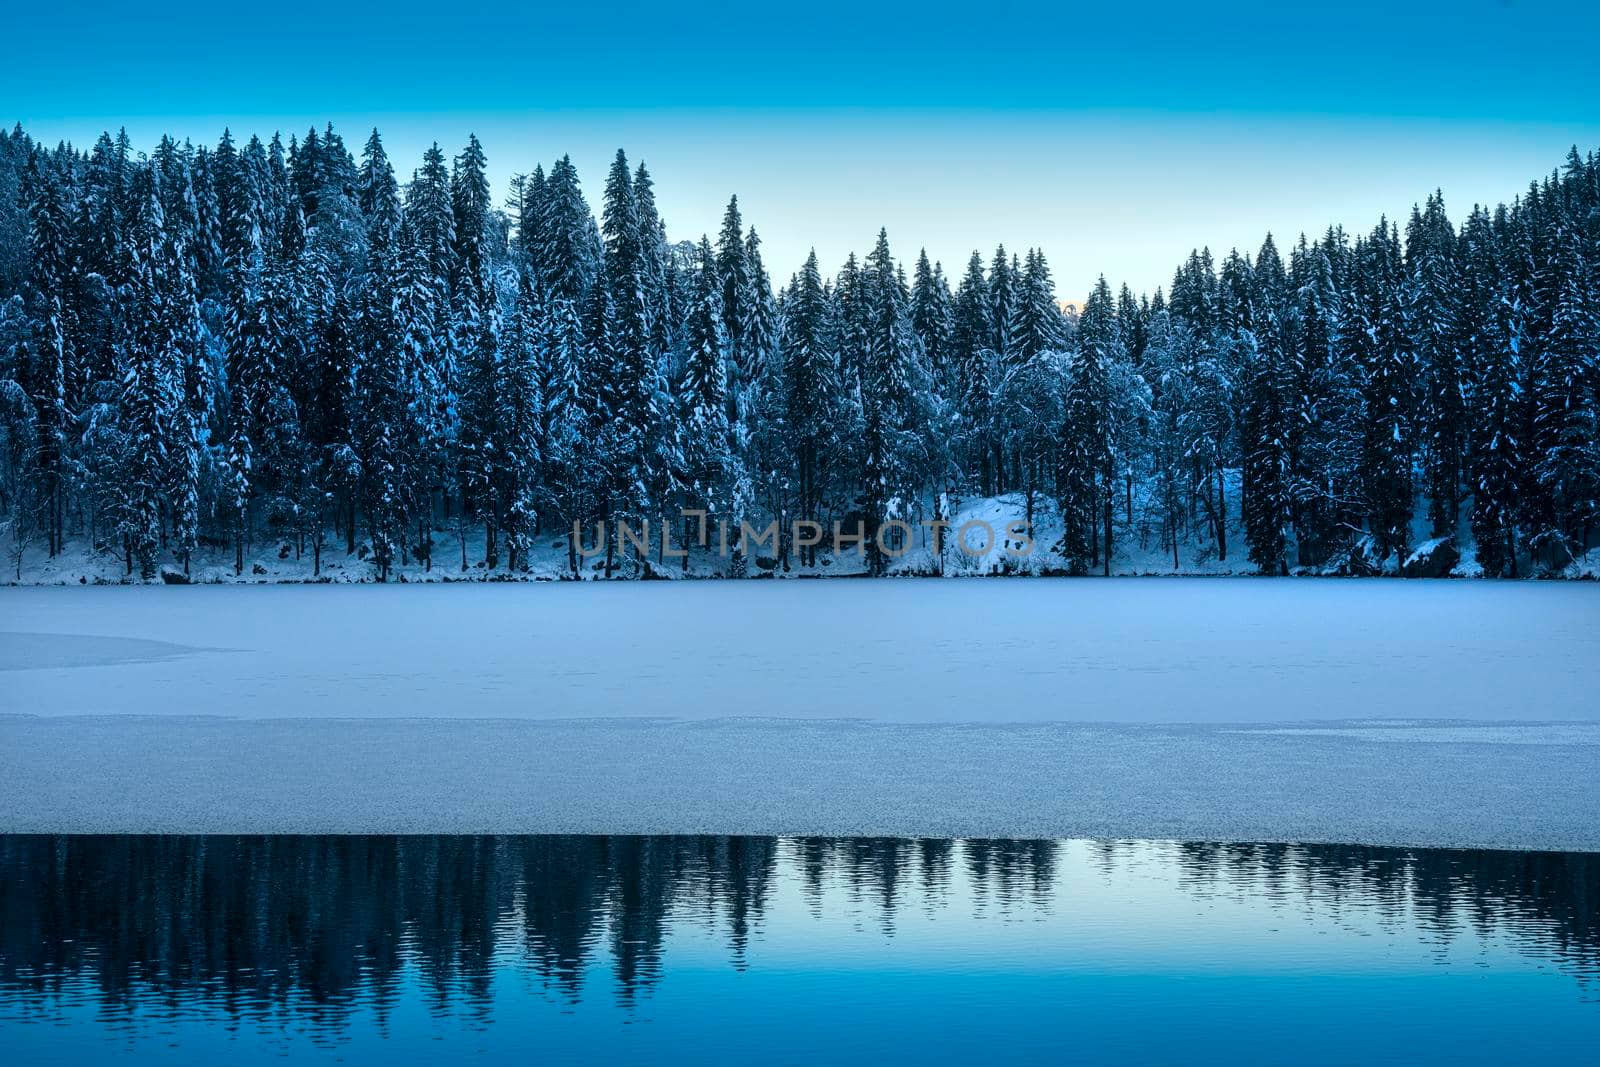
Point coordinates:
[(382, 950)]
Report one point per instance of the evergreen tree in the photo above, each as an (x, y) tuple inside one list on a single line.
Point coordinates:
[(629, 376), (932, 316), (1566, 463), (887, 368), (1039, 325), (975, 359), (150, 374), (1379, 345), (1433, 329), (738, 298), (569, 255), (1085, 475), (48, 366), (1004, 296), (520, 403), (810, 390), (708, 459), (1493, 324), (1264, 421)]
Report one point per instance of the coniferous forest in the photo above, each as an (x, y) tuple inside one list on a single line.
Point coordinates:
[(216, 349)]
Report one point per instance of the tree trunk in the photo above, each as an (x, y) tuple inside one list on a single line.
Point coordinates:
[(1109, 498), (1222, 516)]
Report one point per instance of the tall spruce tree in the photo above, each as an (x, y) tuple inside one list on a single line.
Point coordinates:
[(1379, 344)]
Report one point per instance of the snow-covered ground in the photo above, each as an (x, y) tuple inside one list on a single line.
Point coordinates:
[(1133, 650), (1418, 713)]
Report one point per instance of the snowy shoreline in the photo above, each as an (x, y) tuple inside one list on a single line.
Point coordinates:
[(1585, 569), (459, 558)]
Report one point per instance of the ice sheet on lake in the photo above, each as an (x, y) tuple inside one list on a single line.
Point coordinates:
[(1416, 713), (1036, 650), (196, 775)]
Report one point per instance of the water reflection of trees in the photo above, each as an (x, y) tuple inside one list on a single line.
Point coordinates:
[(250, 925), (1548, 902)]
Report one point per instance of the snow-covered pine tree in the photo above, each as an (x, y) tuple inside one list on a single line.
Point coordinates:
[(1566, 414), (1207, 421), (1085, 476), (1004, 296), (569, 256), (559, 356), (1492, 328), (19, 478), (1132, 319), (434, 349), (761, 326), (974, 361), (738, 296), (663, 448), (193, 381), (98, 261), (151, 373), (887, 372), (653, 256), (632, 364), (427, 374), (1432, 322), (519, 407), (708, 462), (933, 317), (1379, 346), (48, 366), (378, 379), (473, 344), (1039, 325), (1324, 451), (811, 385), (1257, 329), (482, 454), (245, 260)]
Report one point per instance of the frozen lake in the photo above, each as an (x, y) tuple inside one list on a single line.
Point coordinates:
[(1132, 650), (1384, 713)]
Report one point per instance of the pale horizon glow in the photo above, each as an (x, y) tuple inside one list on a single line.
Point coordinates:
[(1115, 142)]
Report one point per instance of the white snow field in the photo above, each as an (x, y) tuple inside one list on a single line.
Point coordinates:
[(1374, 711)]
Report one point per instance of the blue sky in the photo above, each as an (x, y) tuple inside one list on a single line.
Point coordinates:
[(1115, 137)]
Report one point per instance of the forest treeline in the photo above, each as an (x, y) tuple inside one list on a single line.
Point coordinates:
[(257, 343)]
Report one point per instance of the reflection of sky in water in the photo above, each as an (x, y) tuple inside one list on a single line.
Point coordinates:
[(584, 950)]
